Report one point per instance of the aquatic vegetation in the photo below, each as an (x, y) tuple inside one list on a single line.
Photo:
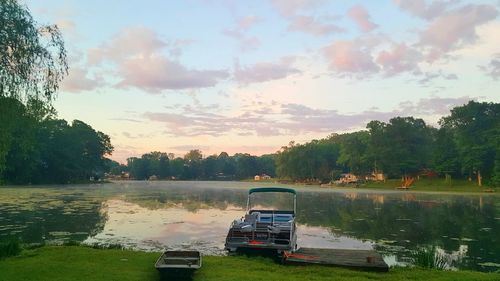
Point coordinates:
[(9, 248), (429, 257)]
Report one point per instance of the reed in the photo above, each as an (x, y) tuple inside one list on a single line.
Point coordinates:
[(9, 248)]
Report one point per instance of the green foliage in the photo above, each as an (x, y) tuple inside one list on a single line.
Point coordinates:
[(32, 57), (9, 248), (311, 161), (476, 131), (445, 155), (402, 146), (354, 152), (495, 179), (194, 166), (150, 164), (36, 148)]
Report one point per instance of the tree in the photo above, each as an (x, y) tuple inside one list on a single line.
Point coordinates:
[(354, 152), (32, 63), (193, 160), (177, 167), (32, 56), (475, 127), (445, 157), (402, 146)]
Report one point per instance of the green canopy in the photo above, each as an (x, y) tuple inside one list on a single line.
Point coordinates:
[(271, 189)]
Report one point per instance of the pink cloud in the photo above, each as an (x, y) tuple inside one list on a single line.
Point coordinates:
[(138, 55), (247, 22), (350, 57), (290, 119), (420, 8), (238, 32), (400, 59), (133, 41), (295, 12), (455, 29), (249, 44), (265, 71), (78, 81), (241, 26), (289, 8), (157, 73), (312, 25), (361, 17)]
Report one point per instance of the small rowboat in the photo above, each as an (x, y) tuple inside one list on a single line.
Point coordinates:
[(178, 262)]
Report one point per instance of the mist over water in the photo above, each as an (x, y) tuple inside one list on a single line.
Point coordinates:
[(196, 215)]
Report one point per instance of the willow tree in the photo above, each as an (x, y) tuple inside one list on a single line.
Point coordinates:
[(32, 64), (32, 56)]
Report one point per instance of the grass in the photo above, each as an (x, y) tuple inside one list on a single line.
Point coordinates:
[(61, 263), (436, 184)]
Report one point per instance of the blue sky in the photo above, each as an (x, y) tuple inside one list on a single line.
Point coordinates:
[(250, 76)]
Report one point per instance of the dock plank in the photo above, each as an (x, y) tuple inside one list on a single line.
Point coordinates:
[(359, 259)]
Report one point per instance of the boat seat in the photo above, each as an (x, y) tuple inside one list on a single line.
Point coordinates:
[(266, 218), (283, 218)]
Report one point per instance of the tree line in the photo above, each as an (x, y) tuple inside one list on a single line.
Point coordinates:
[(466, 145), (193, 166), (36, 147)]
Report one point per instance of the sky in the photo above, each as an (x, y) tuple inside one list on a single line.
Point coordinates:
[(251, 76)]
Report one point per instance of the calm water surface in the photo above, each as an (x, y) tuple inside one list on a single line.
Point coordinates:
[(196, 215)]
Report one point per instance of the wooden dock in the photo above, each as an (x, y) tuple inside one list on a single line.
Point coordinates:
[(368, 260)]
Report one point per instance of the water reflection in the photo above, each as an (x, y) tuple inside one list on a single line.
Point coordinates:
[(196, 215)]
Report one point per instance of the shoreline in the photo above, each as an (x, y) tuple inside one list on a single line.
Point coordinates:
[(86, 263), (372, 187)]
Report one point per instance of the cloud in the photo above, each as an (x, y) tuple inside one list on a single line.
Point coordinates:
[(188, 147), (421, 9), (138, 56), (455, 29), (493, 67), (66, 26), (350, 58), (296, 13), (292, 119), (247, 22), (157, 73), (249, 44), (137, 41), (361, 17), (430, 76), (400, 59), (78, 81), (312, 25), (289, 8), (265, 71), (240, 29), (433, 106), (242, 25)]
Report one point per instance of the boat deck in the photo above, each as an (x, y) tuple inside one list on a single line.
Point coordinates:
[(368, 260)]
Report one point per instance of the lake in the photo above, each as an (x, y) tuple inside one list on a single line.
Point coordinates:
[(151, 216)]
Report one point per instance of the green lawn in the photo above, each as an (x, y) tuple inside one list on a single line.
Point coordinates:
[(438, 184), (84, 263)]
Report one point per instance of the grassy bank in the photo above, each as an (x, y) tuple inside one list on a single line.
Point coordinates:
[(83, 263), (437, 184)]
